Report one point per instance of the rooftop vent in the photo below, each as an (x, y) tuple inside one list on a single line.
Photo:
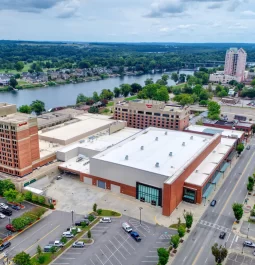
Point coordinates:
[(126, 157), (183, 143), (142, 147), (165, 133), (171, 154), (157, 164), (204, 140), (191, 137), (196, 170), (156, 139), (214, 151)]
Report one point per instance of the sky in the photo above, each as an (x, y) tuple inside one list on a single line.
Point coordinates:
[(128, 20)]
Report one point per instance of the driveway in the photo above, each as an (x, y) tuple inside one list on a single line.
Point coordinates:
[(113, 246), (72, 194)]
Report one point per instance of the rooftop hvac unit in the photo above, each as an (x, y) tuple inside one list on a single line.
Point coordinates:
[(204, 140), (197, 171), (191, 137), (156, 139), (126, 157), (214, 151), (81, 141), (142, 147), (183, 143), (157, 164), (171, 154)]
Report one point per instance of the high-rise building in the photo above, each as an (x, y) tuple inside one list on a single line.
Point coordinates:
[(235, 62), (141, 114)]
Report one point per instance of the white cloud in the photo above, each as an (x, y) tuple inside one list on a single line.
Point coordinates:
[(237, 26), (248, 13), (67, 9)]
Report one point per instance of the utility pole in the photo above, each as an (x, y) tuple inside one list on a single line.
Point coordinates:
[(140, 208), (72, 217)]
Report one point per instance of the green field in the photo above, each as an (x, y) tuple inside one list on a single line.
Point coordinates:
[(131, 98)]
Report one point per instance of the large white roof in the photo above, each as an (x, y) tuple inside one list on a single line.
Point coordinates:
[(200, 175), (214, 130), (129, 153)]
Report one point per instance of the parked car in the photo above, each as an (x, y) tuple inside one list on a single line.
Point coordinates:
[(67, 234), (213, 203), (105, 220), (127, 227), (73, 228), (56, 243), (7, 212), (136, 236), (222, 235), (79, 223), (249, 244), (86, 216), (47, 248), (16, 207), (5, 245), (10, 228), (3, 205), (2, 216), (78, 244)]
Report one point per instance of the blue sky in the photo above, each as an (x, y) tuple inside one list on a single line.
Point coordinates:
[(128, 20)]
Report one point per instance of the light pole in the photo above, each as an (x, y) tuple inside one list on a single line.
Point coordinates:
[(72, 217), (140, 208), (9, 220), (248, 230), (242, 248)]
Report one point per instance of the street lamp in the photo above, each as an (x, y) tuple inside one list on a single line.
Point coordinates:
[(248, 230), (72, 217), (140, 208)]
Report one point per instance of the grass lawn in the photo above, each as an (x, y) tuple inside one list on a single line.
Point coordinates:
[(25, 69), (22, 82), (180, 85), (110, 104), (131, 98), (175, 226), (109, 213), (47, 256)]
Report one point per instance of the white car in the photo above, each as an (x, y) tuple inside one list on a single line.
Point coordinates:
[(105, 220), (2, 216), (3, 205), (73, 228)]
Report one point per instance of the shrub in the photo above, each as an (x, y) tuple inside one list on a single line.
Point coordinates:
[(63, 240), (83, 224), (28, 195), (113, 213), (89, 234), (41, 199), (34, 198), (51, 206), (41, 259), (91, 218), (99, 211), (94, 207)]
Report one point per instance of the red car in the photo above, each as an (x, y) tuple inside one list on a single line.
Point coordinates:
[(10, 228)]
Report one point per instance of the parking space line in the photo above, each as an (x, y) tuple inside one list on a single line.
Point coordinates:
[(65, 258), (61, 263), (113, 255), (92, 262), (122, 246), (126, 241), (151, 256), (105, 256), (72, 253), (139, 230), (118, 249), (99, 259), (149, 261)]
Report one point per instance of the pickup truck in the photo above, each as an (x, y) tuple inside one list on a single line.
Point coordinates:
[(56, 243)]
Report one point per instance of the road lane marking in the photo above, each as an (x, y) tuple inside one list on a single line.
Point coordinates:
[(230, 195), (236, 238), (42, 238), (232, 241)]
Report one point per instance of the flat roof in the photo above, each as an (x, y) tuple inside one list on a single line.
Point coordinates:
[(157, 144), (47, 148), (101, 140), (17, 117), (74, 165), (200, 175), (75, 129), (214, 130)]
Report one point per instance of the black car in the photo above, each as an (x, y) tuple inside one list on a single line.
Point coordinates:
[(213, 203), (7, 212), (79, 223), (222, 235), (136, 236), (16, 207), (5, 245)]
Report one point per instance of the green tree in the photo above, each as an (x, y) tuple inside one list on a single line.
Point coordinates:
[(148, 81), (135, 88), (184, 99), (240, 148), (238, 210), (182, 78), (25, 109), (94, 207), (39, 250), (203, 103), (249, 187), (81, 99), (63, 240), (6, 185), (106, 94), (22, 258), (84, 64), (175, 240), (34, 198), (197, 90), (13, 82), (41, 199), (10, 195), (251, 180), (177, 91), (163, 256), (188, 216), (28, 195), (253, 82), (93, 109), (19, 66), (18, 223), (38, 106), (125, 89), (19, 198), (165, 77), (219, 253), (162, 94), (95, 96), (116, 92), (213, 110), (89, 234), (53, 250), (222, 93), (175, 77), (181, 231)]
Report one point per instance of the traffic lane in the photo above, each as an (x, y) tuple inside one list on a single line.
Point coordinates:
[(3, 222), (49, 228)]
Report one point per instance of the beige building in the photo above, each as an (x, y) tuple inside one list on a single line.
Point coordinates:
[(141, 114)]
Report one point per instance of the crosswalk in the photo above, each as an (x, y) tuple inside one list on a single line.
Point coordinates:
[(165, 236), (215, 226)]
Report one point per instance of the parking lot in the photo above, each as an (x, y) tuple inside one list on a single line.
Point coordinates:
[(3, 222), (238, 259), (114, 246)]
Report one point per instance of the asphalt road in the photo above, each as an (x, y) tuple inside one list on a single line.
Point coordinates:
[(114, 246), (197, 249)]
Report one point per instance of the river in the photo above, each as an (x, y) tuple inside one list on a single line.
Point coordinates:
[(64, 95)]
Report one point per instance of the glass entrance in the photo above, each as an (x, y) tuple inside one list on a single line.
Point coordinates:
[(150, 194)]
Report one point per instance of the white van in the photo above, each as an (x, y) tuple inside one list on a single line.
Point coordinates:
[(127, 227), (67, 234)]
